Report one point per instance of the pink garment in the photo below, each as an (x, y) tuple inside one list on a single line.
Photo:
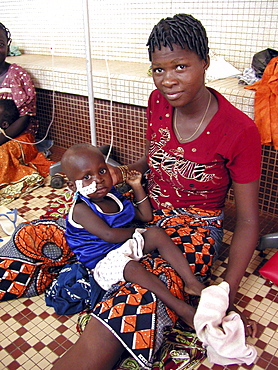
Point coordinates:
[(222, 336), (18, 86)]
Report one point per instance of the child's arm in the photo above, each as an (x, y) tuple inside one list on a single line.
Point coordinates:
[(143, 210), (84, 216)]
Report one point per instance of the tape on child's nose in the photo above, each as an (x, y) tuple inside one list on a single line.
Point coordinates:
[(86, 189)]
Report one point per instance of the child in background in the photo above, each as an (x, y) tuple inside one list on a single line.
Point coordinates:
[(8, 113), (98, 232)]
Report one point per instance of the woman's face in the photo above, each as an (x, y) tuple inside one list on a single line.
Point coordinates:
[(3, 46), (178, 74)]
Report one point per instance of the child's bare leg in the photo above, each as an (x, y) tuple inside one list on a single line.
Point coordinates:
[(88, 354), (136, 273), (156, 238)]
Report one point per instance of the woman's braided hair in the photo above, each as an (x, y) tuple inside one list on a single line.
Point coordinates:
[(182, 29), (7, 33)]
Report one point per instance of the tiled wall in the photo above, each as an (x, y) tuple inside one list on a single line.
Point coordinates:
[(269, 181), (119, 30), (71, 125)]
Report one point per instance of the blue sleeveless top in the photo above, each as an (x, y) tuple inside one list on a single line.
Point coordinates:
[(88, 248)]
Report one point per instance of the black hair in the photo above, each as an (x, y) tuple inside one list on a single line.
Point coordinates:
[(7, 33), (68, 158), (182, 29), (10, 112)]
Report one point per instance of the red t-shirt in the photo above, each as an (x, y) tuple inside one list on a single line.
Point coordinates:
[(199, 173)]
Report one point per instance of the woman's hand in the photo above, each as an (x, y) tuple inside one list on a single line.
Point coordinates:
[(250, 326), (115, 174)]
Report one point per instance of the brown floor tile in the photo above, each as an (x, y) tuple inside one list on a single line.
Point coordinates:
[(20, 325)]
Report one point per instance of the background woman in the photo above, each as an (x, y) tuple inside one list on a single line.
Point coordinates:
[(22, 168)]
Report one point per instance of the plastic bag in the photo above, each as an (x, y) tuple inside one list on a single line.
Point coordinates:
[(261, 59)]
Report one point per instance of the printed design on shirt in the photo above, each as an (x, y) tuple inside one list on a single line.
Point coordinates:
[(175, 166), (155, 190), (156, 145), (156, 157)]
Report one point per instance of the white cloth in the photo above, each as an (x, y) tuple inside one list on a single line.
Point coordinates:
[(110, 269), (222, 336)]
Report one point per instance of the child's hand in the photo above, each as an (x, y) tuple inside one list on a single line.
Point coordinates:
[(133, 178)]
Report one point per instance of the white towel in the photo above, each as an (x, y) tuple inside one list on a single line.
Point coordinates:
[(222, 335)]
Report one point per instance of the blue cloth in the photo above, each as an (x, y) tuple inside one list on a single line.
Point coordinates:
[(14, 51), (249, 77), (88, 248), (73, 291)]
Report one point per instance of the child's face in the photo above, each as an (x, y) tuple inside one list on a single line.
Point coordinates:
[(91, 167)]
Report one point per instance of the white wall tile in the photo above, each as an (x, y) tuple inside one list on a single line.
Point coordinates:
[(119, 30)]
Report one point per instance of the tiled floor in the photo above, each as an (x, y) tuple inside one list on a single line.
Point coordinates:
[(33, 336)]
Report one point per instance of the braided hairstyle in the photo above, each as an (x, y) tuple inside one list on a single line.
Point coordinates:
[(7, 33), (182, 29)]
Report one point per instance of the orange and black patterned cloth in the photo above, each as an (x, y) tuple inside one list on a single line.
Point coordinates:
[(22, 168), (197, 232), (32, 258), (133, 314)]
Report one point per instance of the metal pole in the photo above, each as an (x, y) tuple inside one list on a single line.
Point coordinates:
[(89, 71)]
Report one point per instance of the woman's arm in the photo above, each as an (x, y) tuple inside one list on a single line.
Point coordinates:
[(141, 165), (15, 129), (245, 236)]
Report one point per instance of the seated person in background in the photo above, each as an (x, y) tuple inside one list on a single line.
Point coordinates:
[(16, 84), (98, 230), (21, 155)]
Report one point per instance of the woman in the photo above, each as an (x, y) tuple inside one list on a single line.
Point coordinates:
[(197, 145), (16, 84), (22, 168)]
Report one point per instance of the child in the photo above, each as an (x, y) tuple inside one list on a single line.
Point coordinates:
[(98, 234), (8, 113)]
